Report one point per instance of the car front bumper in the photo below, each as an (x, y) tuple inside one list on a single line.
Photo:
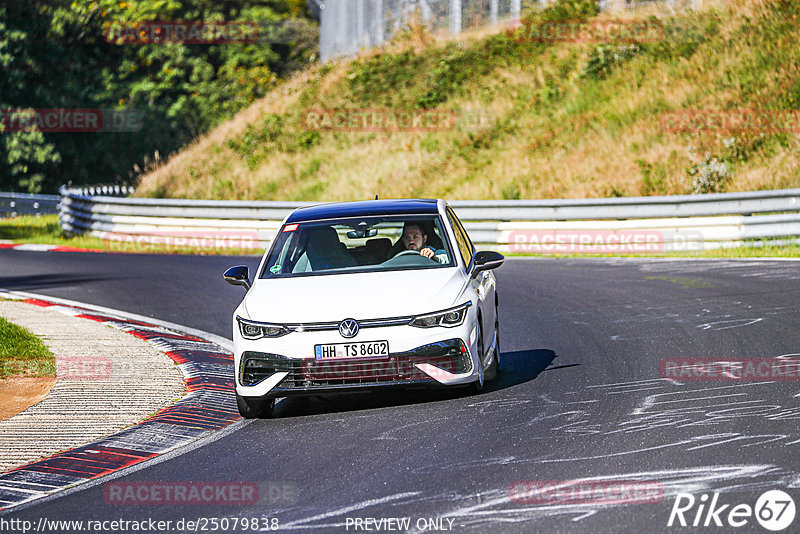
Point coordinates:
[(440, 363)]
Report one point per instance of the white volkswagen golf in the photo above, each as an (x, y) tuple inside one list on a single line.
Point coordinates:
[(365, 296)]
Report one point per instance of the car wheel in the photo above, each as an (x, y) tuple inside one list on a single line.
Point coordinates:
[(477, 386), (255, 407), (491, 372)]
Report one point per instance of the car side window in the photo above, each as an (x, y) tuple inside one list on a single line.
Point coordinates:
[(465, 246)]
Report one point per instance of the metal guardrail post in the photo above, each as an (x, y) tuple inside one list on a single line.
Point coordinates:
[(516, 9), (343, 22), (455, 16), (361, 30), (427, 12), (379, 23)]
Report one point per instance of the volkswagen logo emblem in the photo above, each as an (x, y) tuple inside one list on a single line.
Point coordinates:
[(348, 328)]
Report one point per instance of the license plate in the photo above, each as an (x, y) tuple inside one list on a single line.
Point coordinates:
[(343, 351)]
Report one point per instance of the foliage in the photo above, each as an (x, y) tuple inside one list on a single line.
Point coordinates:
[(605, 56), (653, 179), (709, 174), (566, 10), (62, 54), (26, 153), (562, 119), (682, 35)]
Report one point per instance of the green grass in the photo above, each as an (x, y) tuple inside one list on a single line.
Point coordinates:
[(23, 354), (746, 251), (47, 230), (29, 229)]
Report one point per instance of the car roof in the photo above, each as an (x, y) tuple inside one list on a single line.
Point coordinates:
[(364, 208)]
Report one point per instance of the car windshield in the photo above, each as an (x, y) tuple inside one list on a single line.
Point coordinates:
[(359, 245)]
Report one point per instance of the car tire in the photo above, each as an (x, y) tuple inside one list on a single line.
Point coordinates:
[(477, 386), (491, 372), (255, 407)]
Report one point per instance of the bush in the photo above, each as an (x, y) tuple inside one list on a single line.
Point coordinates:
[(570, 10), (683, 35), (308, 139), (709, 175), (653, 178), (604, 57), (257, 137)]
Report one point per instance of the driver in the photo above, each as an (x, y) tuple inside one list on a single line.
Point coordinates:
[(415, 238)]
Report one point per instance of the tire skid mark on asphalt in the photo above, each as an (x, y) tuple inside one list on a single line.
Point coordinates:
[(702, 479), (621, 388), (388, 434), (757, 440), (207, 407), (303, 522), (729, 323), (631, 383), (691, 407), (487, 507), (725, 314), (711, 269)]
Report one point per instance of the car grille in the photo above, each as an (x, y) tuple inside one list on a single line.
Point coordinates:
[(397, 368)]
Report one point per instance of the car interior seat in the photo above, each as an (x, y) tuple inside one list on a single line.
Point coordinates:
[(378, 249), (324, 250)]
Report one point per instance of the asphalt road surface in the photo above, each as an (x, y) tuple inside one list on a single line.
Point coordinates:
[(579, 395)]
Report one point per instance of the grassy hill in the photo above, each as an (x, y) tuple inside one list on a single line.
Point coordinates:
[(532, 120)]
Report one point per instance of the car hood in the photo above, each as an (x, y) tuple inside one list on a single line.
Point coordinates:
[(360, 295)]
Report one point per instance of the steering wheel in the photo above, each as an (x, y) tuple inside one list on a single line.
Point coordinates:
[(417, 252), (406, 252)]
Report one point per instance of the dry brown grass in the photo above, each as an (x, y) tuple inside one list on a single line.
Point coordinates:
[(208, 149), (558, 152)]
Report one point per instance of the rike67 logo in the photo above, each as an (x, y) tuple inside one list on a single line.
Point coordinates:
[(774, 510)]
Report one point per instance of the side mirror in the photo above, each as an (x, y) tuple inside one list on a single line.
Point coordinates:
[(486, 260), (238, 276)]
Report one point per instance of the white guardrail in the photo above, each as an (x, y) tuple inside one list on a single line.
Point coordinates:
[(604, 225), (16, 204)]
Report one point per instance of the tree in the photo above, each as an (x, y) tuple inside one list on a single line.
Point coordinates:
[(59, 54)]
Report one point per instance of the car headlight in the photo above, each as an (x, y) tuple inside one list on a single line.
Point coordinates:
[(256, 330), (447, 318)]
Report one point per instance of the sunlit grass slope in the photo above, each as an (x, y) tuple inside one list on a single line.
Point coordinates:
[(532, 120)]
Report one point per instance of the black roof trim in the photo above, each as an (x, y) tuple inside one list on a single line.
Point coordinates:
[(364, 208)]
